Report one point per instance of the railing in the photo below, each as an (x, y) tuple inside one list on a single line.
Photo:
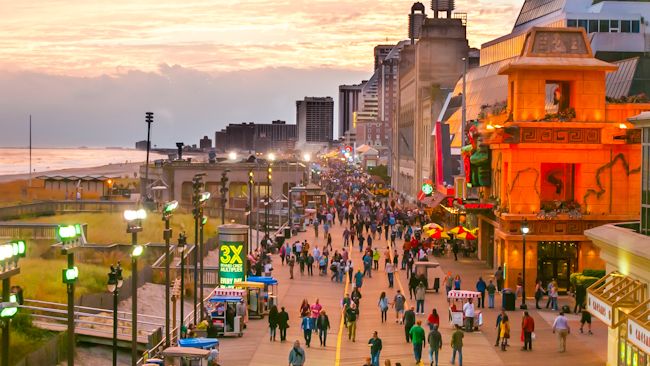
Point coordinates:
[(53, 207), (31, 230)]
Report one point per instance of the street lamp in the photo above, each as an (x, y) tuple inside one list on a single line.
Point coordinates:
[(168, 211), (267, 204), (68, 238), (9, 255), (524, 230), (149, 119), (200, 199), (232, 156), (134, 226), (114, 285), (182, 243), (204, 220), (224, 194)]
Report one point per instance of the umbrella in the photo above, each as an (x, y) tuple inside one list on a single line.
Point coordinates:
[(437, 234), (466, 235), (457, 230), (431, 226)]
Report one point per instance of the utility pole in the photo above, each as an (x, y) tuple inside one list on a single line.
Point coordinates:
[(149, 120), (224, 194)]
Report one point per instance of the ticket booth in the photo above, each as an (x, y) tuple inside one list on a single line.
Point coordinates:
[(432, 272), (222, 311), (254, 297), (270, 293)]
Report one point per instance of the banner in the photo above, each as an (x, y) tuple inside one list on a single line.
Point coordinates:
[(231, 263)]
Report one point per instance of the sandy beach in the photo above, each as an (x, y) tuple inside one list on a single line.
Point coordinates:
[(111, 170)]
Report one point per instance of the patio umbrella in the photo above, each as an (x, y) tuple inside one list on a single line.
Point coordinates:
[(431, 226), (457, 230), (466, 235), (437, 234)]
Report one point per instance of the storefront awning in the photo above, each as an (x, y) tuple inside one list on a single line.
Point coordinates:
[(433, 200), (638, 327), (613, 297)]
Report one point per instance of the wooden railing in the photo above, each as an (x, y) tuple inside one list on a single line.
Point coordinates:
[(55, 207)]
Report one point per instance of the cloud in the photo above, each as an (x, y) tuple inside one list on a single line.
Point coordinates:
[(188, 103)]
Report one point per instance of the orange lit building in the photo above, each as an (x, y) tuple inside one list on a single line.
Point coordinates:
[(558, 156)]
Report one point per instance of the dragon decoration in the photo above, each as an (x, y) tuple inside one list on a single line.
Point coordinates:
[(476, 157)]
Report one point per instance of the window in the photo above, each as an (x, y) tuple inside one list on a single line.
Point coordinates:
[(626, 26), (557, 183), (582, 23), (613, 26), (636, 26), (571, 23), (593, 25), (557, 96), (604, 26)]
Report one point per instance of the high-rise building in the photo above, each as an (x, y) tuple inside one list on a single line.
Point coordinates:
[(205, 143), (381, 51), (349, 104), (367, 123), (259, 137), (315, 120)]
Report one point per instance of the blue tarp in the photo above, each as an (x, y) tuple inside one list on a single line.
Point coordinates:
[(262, 279), (200, 342), (225, 298)]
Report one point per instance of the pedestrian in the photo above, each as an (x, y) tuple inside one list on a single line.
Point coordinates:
[(346, 237), (375, 259), (351, 314), (420, 292), (457, 346), (283, 253), (409, 321), (481, 286), (383, 306), (539, 293), (413, 284), (307, 329), (329, 241), (498, 276), (273, 322), (585, 318), (323, 325), (291, 261), (549, 286), (504, 330), (375, 348), (520, 285), (349, 268), (390, 273), (433, 320), (581, 294), (553, 296), (367, 264), (356, 298), (449, 283), (417, 338), (310, 264), (434, 339), (398, 304), (283, 324), (491, 289), (455, 248), (457, 283), (498, 326), (469, 314), (297, 355), (395, 259), (315, 310), (561, 327), (527, 329), (358, 279)]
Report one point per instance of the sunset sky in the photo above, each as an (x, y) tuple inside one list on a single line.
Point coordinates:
[(96, 66)]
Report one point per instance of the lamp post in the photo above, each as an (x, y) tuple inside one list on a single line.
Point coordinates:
[(168, 211), (267, 205), (134, 226), (463, 114), (9, 255), (68, 237), (524, 230), (224, 194), (149, 119), (182, 244), (200, 199), (204, 220), (251, 186), (114, 285), (307, 158)]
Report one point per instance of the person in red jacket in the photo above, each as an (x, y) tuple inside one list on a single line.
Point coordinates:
[(527, 329), (433, 319)]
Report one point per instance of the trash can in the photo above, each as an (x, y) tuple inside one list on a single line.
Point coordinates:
[(287, 232), (509, 298)]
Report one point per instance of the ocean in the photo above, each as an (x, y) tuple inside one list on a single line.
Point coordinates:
[(16, 161)]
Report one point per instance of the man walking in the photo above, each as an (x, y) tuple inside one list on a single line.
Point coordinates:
[(420, 292), (417, 337), (481, 287), (468, 311), (561, 326), (283, 324), (307, 328), (398, 304), (491, 289), (527, 327), (435, 344), (409, 321), (457, 346), (390, 272), (351, 314), (375, 349), (297, 355)]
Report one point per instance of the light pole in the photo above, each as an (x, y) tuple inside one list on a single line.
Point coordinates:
[(182, 244), (9, 255), (168, 211), (224, 194), (307, 158), (463, 114), (68, 237), (134, 226), (114, 285), (251, 186), (204, 220), (199, 198), (149, 119), (524, 231)]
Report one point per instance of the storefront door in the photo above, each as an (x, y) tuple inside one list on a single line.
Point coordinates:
[(557, 260)]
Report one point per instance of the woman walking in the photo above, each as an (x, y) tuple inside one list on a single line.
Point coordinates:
[(305, 309), (504, 332), (323, 324), (273, 322), (433, 320), (383, 306)]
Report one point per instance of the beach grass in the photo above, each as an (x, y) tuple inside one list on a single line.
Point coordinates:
[(109, 228), (25, 338)]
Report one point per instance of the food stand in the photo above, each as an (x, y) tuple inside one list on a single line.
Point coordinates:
[(254, 298), (179, 356), (270, 293), (432, 272), (456, 317), (223, 314)]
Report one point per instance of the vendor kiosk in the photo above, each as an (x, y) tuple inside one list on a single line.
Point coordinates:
[(180, 356), (432, 272), (270, 293), (456, 316), (254, 298), (222, 311)]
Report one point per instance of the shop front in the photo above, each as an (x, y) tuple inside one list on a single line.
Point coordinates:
[(557, 260)]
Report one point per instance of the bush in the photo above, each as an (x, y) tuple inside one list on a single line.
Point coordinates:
[(598, 273)]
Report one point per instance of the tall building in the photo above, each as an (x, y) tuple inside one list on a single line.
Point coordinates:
[(349, 104), (427, 70), (315, 120), (205, 143), (381, 51), (368, 125), (256, 137)]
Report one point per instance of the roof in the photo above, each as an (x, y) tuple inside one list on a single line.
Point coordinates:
[(619, 82), (262, 279), (556, 63), (186, 352)]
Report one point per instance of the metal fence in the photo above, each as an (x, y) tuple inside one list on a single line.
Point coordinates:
[(55, 207), (33, 231)]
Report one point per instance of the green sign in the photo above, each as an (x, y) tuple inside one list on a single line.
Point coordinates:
[(427, 188), (231, 263)]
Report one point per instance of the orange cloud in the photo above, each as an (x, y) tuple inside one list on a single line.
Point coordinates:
[(88, 38)]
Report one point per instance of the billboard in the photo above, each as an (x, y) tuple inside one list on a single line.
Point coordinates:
[(231, 263)]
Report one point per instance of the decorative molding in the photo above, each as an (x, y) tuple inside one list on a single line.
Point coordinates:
[(549, 227), (560, 135)]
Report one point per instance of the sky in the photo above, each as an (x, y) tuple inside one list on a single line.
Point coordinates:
[(87, 71)]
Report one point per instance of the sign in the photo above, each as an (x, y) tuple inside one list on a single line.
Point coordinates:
[(427, 188), (479, 206), (231, 263), (599, 309), (638, 335)]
